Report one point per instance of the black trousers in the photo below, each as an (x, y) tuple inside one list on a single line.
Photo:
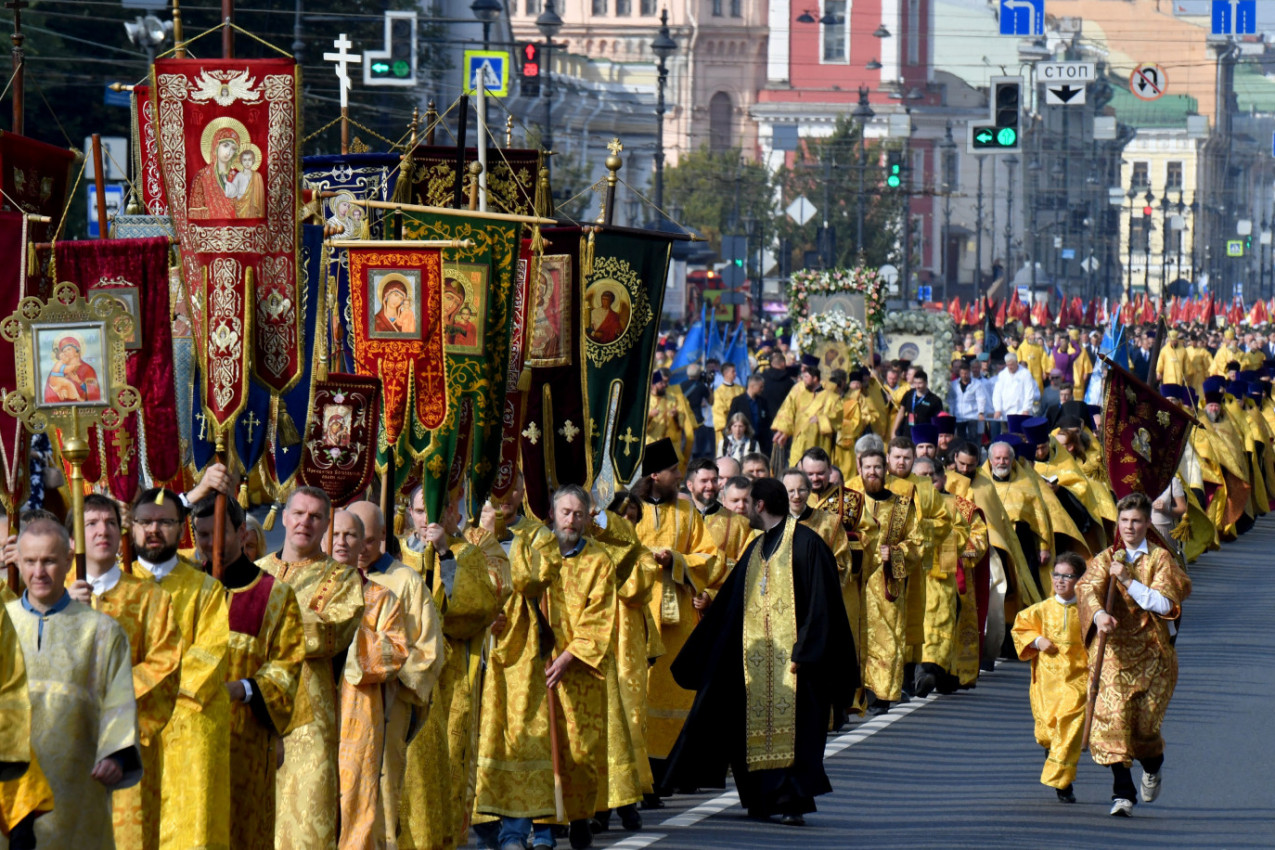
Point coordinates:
[(1122, 786)]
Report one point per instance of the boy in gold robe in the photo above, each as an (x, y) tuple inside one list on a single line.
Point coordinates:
[(1049, 635), (263, 675), (331, 600), (145, 612)]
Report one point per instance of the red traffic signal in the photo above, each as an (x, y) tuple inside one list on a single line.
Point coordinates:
[(530, 59), (1146, 211)]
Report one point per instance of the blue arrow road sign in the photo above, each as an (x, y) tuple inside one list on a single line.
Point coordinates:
[(1232, 17), (1026, 17)]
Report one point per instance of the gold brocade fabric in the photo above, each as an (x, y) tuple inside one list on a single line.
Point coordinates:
[(965, 654), (1058, 685), (1024, 502), (145, 612), (935, 524), (24, 789), (1095, 495), (770, 633), (730, 532), (1226, 353), (416, 680), (80, 684), (677, 527), (435, 801), (637, 636), (273, 657), (670, 416), (1032, 356), (830, 531), (620, 781), (1172, 366), (515, 764), (331, 600), (196, 792), (1000, 535), (1140, 669), (369, 680), (940, 596), (722, 398), (809, 419), (857, 413)]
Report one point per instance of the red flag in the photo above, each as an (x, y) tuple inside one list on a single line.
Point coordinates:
[(1207, 313), (1000, 313), (1143, 434), (1258, 315)]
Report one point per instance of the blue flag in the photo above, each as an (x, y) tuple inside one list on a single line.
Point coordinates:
[(716, 344), (737, 353), (692, 350)]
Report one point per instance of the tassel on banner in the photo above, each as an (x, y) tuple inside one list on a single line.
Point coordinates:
[(268, 524), (286, 430), (586, 255), (400, 520), (243, 494)]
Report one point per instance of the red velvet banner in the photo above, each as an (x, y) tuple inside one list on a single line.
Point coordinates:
[(146, 152), (136, 272), (14, 441), (339, 451), (1143, 434), (396, 319), (227, 133)]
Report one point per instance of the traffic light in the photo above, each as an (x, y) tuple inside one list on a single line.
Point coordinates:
[(1004, 135), (396, 64), (894, 169), (529, 54)]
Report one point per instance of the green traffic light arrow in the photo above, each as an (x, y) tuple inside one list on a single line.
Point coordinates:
[(983, 137), (380, 67)]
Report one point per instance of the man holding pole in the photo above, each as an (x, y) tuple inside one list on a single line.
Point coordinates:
[(1131, 597)]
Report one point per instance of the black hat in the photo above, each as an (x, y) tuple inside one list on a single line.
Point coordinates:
[(659, 456), (946, 423), (810, 361)]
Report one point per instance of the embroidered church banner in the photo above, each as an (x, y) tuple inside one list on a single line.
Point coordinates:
[(14, 440), (149, 180), (1143, 435), (340, 438), (227, 132), (429, 177)]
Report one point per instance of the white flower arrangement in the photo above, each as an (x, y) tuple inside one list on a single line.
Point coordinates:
[(939, 326), (836, 327), (860, 279)]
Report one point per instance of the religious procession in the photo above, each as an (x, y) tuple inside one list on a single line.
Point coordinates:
[(368, 500)]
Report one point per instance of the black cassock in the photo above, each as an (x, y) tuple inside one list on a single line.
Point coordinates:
[(712, 663)]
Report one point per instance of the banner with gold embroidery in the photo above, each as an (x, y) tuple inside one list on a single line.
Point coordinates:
[(554, 432), (15, 442), (149, 180), (339, 449), (477, 313), (511, 418), (1143, 435), (135, 272), (428, 177), (396, 298), (227, 133), (623, 299)]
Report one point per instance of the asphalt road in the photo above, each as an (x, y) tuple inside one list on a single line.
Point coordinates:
[(963, 770)]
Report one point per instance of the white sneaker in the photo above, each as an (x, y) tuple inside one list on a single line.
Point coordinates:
[(1121, 808), (1150, 787)]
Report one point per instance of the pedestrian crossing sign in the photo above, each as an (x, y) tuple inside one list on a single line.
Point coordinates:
[(491, 66)]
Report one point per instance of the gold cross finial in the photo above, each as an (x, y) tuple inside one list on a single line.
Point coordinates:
[(615, 146)]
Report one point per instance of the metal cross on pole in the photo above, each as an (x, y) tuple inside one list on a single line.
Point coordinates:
[(343, 59)]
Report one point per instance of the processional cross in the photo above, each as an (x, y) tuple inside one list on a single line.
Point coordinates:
[(343, 59)]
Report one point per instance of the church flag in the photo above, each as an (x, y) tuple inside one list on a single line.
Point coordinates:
[(623, 282), (521, 326), (150, 180), (428, 177), (14, 440), (227, 135), (339, 448), (1143, 435)]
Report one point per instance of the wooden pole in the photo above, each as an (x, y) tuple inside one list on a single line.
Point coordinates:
[(99, 182), (219, 518), (431, 119), (19, 61), (1096, 679), (179, 43), (345, 130), (475, 186), (11, 568), (227, 34)]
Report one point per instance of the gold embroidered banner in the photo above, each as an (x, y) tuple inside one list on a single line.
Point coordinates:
[(340, 440), (227, 148)]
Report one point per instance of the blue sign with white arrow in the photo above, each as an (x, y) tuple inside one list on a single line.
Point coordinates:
[(1026, 17), (1233, 17)]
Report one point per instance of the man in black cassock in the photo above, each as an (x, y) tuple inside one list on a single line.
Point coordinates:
[(716, 735)]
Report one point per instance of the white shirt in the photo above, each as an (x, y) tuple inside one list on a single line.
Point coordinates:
[(968, 402), (106, 581), (1147, 598), (1015, 392), (159, 571)]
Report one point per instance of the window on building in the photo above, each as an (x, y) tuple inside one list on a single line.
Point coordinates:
[(1173, 175), (736, 10), (532, 7), (835, 33), (1139, 235), (648, 7), (717, 8), (599, 7), (914, 32), (916, 176), (623, 7), (1141, 176), (720, 120)]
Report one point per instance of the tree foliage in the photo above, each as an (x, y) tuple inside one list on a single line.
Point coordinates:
[(717, 191)]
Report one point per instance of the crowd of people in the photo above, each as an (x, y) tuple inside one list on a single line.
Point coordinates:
[(799, 550)]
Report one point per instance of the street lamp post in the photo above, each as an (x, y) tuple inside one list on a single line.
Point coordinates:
[(1011, 162), (863, 114), (948, 147), (1128, 289), (487, 12), (550, 24), (1146, 244), (663, 47), (978, 236)]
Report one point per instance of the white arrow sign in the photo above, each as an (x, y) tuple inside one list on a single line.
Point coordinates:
[(1064, 94)]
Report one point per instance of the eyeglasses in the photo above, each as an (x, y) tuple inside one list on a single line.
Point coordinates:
[(1065, 576), (156, 523)]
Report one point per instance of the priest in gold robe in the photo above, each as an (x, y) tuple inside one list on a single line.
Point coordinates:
[(810, 415), (730, 531), (366, 687), (1140, 665), (690, 565), (331, 600), (408, 699), (433, 811), (725, 393), (566, 590), (145, 612), (669, 416), (772, 657), (24, 791), (195, 800), (825, 524), (263, 676), (83, 711), (1173, 365)]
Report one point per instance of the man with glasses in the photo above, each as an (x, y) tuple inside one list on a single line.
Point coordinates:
[(1048, 634)]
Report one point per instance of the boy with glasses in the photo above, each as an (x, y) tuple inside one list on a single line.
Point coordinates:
[(1049, 635)]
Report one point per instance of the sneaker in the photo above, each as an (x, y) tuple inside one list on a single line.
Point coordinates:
[(1150, 787), (1121, 808), (1066, 795)]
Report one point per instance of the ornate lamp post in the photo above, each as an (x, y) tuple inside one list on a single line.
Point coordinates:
[(487, 12), (863, 114), (550, 24), (663, 47)]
